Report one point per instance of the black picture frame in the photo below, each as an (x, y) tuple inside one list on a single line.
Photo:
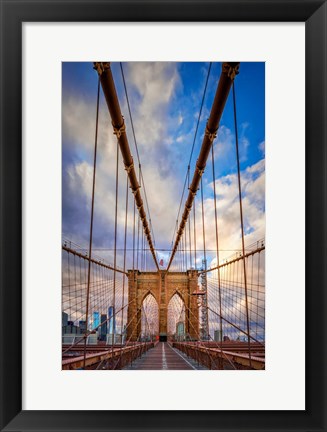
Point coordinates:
[(13, 14)]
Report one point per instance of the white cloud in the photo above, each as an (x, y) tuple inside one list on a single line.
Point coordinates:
[(151, 87), (261, 147), (228, 209), (181, 138), (224, 144), (162, 186), (169, 140)]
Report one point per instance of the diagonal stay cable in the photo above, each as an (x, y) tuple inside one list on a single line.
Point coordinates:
[(194, 139), (137, 153), (91, 218), (229, 71)]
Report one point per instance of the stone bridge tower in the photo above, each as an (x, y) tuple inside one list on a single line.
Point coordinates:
[(163, 286)]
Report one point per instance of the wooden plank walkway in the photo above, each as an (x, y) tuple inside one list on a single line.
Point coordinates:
[(162, 357)]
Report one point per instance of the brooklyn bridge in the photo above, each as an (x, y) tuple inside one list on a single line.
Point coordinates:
[(139, 306)]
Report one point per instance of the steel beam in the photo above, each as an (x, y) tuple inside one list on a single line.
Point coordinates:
[(117, 120), (233, 260), (229, 71), (94, 261)]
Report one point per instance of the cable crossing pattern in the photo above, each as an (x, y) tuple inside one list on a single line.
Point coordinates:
[(206, 308)]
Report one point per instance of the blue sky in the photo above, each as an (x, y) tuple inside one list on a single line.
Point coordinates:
[(165, 101)]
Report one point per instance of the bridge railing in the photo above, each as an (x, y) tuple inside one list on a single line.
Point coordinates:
[(214, 356), (231, 301), (107, 299), (117, 358)]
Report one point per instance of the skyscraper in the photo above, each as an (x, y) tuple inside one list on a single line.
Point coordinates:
[(103, 327), (112, 320), (96, 320), (64, 319), (82, 326), (217, 336)]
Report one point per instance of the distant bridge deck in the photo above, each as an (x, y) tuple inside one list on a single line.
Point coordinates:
[(162, 357), (170, 356)]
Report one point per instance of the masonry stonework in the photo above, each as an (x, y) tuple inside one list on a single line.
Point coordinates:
[(163, 286)]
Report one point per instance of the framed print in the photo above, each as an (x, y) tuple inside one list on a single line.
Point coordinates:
[(151, 152)]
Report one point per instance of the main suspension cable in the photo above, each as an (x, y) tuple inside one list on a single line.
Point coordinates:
[(119, 128), (137, 154), (193, 144), (229, 71)]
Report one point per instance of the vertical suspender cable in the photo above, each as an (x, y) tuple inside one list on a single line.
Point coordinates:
[(189, 220), (69, 302), (185, 247), (258, 282), (194, 139), (124, 265), (142, 252), (242, 225), (134, 237), (138, 229), (203, 230), (205, 266), (91, 222), (75, 294), (194, 225), (183, 253), (119, 128), (229, 71), (176, 265), (115, 253), (217, 240), (75, 287), (145, 269), (141, 180)]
